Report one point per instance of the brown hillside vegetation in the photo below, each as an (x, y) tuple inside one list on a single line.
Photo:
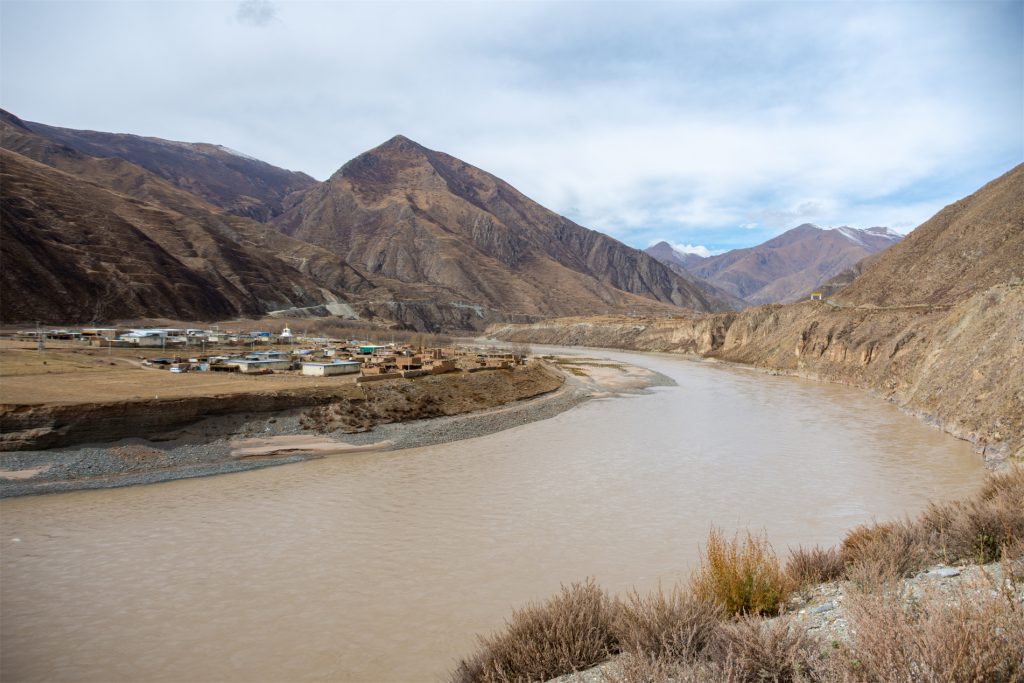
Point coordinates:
[(73, 251), (231, 181), (971, 245), (420, 216)]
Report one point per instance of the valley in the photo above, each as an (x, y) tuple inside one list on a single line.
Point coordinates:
[(433, 484)]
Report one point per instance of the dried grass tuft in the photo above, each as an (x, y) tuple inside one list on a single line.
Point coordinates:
[(877, 554), (814, 565), (743, 576)]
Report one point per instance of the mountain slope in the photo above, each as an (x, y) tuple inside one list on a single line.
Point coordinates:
[(969, 246), (75, 252), (784, 268), (664, 253), (420, 216), (230, 180)]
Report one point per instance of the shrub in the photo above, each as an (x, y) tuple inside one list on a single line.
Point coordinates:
[(743, 577), (879, 553), (641, 668), (978, 529), (755, 649), (568, 632), (677, 626), (933, 639), (814, 565)]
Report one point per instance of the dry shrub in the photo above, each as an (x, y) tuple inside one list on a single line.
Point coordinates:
[(677, 626), (568, 632), (814, 565), (978, 529), (933, 640), (754, 649), (644, 668), (742, 576), (881, 552), (1008, 485)]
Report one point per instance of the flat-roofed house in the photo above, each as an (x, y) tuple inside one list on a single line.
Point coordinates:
[(340, 367), (247, 365)]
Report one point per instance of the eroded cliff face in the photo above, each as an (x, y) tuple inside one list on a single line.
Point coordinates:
[(960, 367)]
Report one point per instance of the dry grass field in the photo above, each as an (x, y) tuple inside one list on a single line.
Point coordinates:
[(71, 373)]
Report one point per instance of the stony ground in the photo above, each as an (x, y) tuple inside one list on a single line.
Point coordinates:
[(821, 610)]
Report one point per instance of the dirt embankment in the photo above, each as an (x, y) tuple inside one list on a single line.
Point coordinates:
[(431, 396), (960, 367), (341, 406)]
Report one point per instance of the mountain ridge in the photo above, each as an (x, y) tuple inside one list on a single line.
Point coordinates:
[(322, 280), (233, 181), (476, 236), (784, 268)]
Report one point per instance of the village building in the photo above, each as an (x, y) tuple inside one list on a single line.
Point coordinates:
[(248, 366), (343, 367)]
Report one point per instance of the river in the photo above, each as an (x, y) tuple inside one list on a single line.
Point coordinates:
[(383, 566)]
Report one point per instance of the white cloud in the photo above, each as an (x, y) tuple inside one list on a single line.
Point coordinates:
[(635, 119), (697, 249)]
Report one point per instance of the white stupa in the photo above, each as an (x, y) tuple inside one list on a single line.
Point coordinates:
[(286, 333)]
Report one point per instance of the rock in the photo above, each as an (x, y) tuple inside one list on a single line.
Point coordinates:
[(945, 572), (825, 607)]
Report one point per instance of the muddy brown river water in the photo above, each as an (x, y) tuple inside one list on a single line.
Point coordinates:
[(383, 566)]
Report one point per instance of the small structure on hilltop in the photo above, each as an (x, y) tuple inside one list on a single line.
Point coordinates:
[(815, 296)]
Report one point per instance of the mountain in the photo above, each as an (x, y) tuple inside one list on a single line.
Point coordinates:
[(233, 181), (785, 268), (85, 238), (969, 246), (669, 255), (76, 252), (419, 216), (112, 239), (679, 262)]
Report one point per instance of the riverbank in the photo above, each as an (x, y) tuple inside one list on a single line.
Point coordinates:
[(939, 597), (957, 367), (386, 416)]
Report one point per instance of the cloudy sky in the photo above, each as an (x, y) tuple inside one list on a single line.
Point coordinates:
[(714, 125)]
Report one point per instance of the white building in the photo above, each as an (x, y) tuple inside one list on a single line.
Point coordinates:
[(246, 365), (339, 367)]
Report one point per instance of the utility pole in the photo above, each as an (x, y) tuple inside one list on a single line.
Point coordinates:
[(40, 345)]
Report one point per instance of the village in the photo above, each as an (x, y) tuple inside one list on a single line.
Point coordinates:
[(262, 352)]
